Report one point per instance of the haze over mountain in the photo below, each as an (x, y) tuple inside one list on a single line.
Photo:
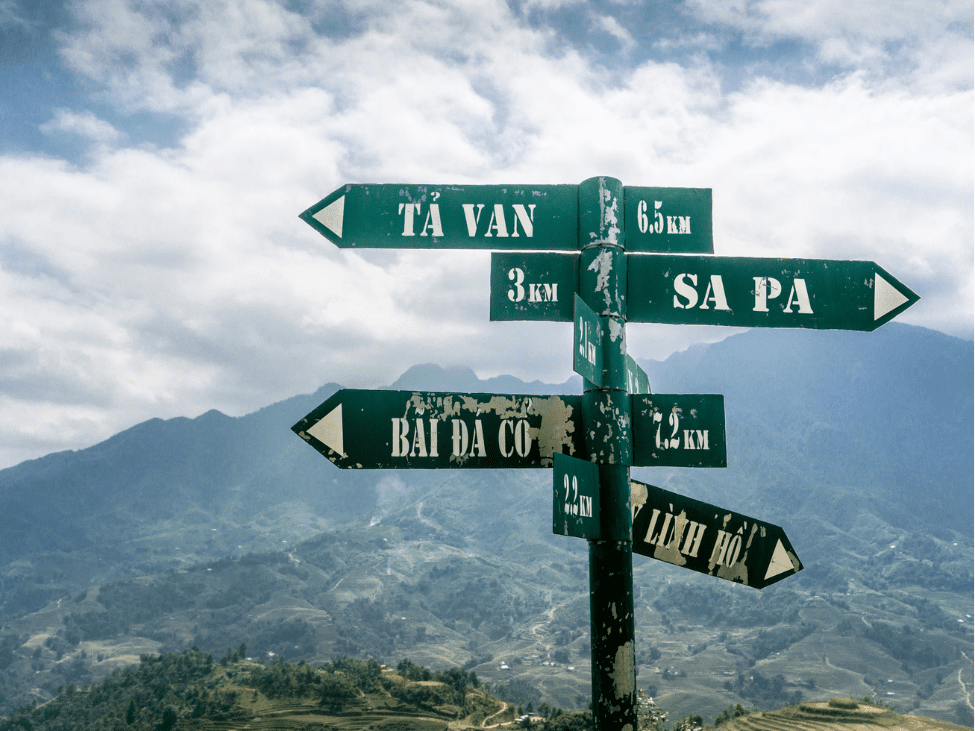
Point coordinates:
[(859, 445)]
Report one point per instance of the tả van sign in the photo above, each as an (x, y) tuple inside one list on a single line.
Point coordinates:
[(526, 217)]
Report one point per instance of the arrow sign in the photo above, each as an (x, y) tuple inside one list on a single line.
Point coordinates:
[(708, 539), (524, 217), (741, 292), (679, 431), (449, 216), (575, 504), (389, 429)]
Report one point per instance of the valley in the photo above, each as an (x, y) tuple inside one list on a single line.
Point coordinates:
[(214, 531)]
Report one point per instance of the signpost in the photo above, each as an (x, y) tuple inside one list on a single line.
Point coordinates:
[(810, 293), (589, 335), (668, 219), (522, 217), (679, 431), (575, 509), (592, 440), (533, 286), (363, 429), (708, 539), (428, 430)]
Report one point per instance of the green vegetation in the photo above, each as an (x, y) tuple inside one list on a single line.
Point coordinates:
[(189, 690)]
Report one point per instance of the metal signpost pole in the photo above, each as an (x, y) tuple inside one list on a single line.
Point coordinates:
[(606, 420)]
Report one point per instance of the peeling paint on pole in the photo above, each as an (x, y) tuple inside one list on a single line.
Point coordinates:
[(606, 410)]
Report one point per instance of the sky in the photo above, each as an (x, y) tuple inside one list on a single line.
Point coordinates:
[(154, 158)]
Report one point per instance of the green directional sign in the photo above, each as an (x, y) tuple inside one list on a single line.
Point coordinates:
[(637, 380), (589, 334), (533, 285), (743, 292), (389, 429), (668, 220), (679, 431), (511, 217), (708, 539), (575, 505), (449, 216)]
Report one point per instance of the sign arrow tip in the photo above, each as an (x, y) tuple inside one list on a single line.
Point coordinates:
[(886, 297), (332, 215), (780, 562), (328, 430)]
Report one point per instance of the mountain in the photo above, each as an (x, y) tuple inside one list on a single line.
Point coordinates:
[(218, 530)]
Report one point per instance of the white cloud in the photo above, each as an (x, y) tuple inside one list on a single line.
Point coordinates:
[(167, 282), (612, 26), (84, 124), (874, 35)]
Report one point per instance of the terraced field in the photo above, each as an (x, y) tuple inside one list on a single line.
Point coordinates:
[(825, 716)]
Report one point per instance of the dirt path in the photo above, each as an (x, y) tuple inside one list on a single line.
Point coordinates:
[(964, 688), (505, 707), (549, 614)]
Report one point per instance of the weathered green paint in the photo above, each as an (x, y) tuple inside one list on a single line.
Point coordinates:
[(533, 285), (590, 334), (708, 539), (612, 632), (743, 292), (432, 430), (668, 220), (575, 498), (606, 416), (685, 430)]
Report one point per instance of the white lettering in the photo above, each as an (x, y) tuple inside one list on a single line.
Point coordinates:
[(433, 438), (433, 221), (497, 223), (517, 293), (472, 220), (663, 539), (685, 290), (401, 444), (766, 288), (726, 548), (678, 224), (692, 542), (715, 293), (650, 537), (523, 439), (800, 296), (460, 438), (525, 218), (478, 443), (503, 438), (419, 440), (408, 209)]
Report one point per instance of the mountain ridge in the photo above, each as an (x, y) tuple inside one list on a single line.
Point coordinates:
[(196, 507)]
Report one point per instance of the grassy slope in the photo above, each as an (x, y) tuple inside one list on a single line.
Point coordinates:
[(822, 716)]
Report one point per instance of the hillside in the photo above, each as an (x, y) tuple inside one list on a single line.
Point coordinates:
[(189, 690), (215, 531), (837, 714)]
